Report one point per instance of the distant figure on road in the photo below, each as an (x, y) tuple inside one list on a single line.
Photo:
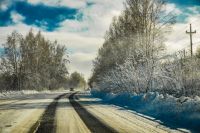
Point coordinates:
[(71, 89)]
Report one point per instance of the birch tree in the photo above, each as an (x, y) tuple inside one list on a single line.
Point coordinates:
[(137, 36)]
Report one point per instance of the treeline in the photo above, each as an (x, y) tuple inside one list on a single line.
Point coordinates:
[(32, 62), (132, 58), (76, 80)]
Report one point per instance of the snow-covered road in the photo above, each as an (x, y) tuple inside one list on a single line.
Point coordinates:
[(122, 120), (55, 113), (19, 114)]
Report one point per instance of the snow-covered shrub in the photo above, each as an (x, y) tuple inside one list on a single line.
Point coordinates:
[(175, 77)]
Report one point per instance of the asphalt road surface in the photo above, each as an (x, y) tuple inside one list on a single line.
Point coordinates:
[(68, 112)]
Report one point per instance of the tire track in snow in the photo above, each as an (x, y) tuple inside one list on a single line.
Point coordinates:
[(93, 124), (46, 123)]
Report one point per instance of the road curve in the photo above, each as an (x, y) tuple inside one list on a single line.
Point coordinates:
[(93, 124)]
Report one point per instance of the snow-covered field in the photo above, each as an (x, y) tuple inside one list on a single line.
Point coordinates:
[(183, 112)]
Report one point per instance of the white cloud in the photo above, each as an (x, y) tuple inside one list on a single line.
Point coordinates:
[(194, 9), (172, 8), (4, 4), (82, 50), (20, 27), (67, 3), (95, 18), (16, 17), (99, 16), (82, 62), (179, 40), (75, 42), (3, 7)]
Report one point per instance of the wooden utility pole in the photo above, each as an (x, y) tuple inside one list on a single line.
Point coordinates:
[(191, 33)]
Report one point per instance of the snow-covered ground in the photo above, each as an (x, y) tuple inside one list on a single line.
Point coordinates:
[(122, 119), (183, 112), (14, 94), (17, 115), (20, 113), (7, 94)]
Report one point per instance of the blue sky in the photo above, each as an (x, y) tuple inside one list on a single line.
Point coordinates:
[(183, 5), (40, 15), (81, 24), (185, 2), (49, 17)]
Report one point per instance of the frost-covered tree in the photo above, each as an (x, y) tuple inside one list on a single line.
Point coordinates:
[(136, 37), (10, 63), (33, 62)]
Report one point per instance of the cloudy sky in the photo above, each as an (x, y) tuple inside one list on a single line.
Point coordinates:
[(81, 24)]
